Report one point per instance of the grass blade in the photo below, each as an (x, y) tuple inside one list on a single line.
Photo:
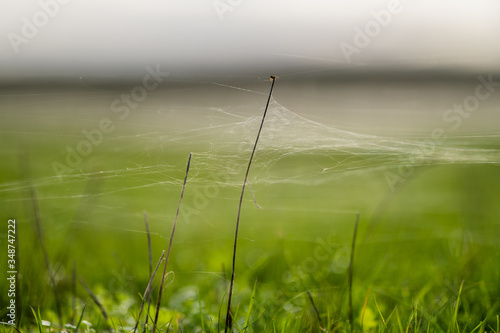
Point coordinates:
[(39, 230), (477, 327), (148, 290), (398, 320), (455, 314), (170, 246), (351, 271), (250, 306), (362, 319), (315, 310), (201, 313), (228, 313), (380, 313), (81, 318), (150, 253), (10, 325), (38, 319), (95, 299)]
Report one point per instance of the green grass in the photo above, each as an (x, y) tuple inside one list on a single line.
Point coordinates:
[(428, 254)]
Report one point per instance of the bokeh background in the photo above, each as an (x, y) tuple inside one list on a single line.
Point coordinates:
[(389, 109)]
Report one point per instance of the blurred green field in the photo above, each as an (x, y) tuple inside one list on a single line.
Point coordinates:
[(419, 239)]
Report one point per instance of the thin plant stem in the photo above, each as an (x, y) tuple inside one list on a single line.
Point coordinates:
[(148, 290), (170, 245), (38, 224), (150, 252), (228, 313), (95, 299), (316, 311)]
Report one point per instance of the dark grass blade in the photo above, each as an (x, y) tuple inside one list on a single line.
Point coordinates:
[(316, 311), (170, 246), (228, 313), (148, 290), (73, 289), (150, 252), (24, 161), (39, 231), (351, 271), (10, 325), (95, 299)]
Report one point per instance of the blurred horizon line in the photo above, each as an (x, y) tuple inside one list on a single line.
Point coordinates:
[(334, 76)]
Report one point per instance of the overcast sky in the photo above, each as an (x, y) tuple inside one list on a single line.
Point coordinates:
[(121, 37)]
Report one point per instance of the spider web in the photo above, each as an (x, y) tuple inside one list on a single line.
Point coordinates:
[(227, 135), (293, 149)]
